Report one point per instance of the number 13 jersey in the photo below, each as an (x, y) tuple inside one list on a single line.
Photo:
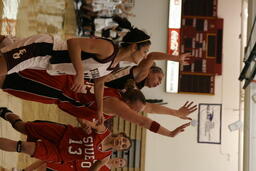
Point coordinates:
[(76, 145)]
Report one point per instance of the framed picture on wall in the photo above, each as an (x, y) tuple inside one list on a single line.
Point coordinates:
[(209, 123)]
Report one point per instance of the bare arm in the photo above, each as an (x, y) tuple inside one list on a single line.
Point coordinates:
[(100, 47), (123, 110), (183, 58), (99, 91), (182, 112), (98, 164), (142, 70), (85, 124)]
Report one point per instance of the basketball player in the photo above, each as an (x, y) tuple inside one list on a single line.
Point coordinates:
[(39, 86), (141, 44), (82, 57), (52, 142), (101, 165)]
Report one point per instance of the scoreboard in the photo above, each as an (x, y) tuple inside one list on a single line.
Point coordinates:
[(200, 32), (202, 37)]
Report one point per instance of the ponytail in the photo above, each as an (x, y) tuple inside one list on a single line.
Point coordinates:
[(132, 94), (122, 22)]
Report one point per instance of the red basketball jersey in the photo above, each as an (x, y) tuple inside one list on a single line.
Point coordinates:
[(76, 145)]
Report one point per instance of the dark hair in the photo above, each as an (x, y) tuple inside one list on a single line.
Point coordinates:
[(136, 36), (122, 22), (125, 136), (156, 69), (133, 95)]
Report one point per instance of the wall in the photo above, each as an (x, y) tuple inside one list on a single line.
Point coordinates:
[(183, 153)]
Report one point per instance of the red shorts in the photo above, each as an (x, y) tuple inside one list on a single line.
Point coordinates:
[(47, 137)]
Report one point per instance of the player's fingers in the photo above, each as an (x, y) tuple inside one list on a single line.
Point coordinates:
[(192, 110), (185, 125), (80, 89), (74, 87), (188, 118), (193, 107), (185, 104), (189, 104)]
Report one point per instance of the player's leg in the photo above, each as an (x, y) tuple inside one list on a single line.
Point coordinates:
[(17, 146), (14, 119), (3, 66)]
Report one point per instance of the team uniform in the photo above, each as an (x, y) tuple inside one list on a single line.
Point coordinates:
[(65, 143), (46, 52), (39, 86), (120, 82)]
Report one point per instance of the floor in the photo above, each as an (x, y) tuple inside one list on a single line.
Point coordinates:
[(52, 16)]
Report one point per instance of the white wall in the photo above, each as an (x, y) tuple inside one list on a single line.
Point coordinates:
[(183, 153)]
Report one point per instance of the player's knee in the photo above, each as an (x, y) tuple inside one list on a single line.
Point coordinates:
[(16, 122)]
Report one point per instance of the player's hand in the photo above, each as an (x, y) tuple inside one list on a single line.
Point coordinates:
[(85, 125), (78, 83), (100, 118), (185, 58), (179, 130), (186, 110), (87, 129)]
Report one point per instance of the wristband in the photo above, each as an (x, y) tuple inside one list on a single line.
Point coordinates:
[(19, 146), (154, 127)]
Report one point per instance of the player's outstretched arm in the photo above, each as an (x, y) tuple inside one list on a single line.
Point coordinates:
[(183, 112), (124, 111), (88, 125)]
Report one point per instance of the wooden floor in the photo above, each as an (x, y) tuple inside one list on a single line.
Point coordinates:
[(28, 111), (41, 16)]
